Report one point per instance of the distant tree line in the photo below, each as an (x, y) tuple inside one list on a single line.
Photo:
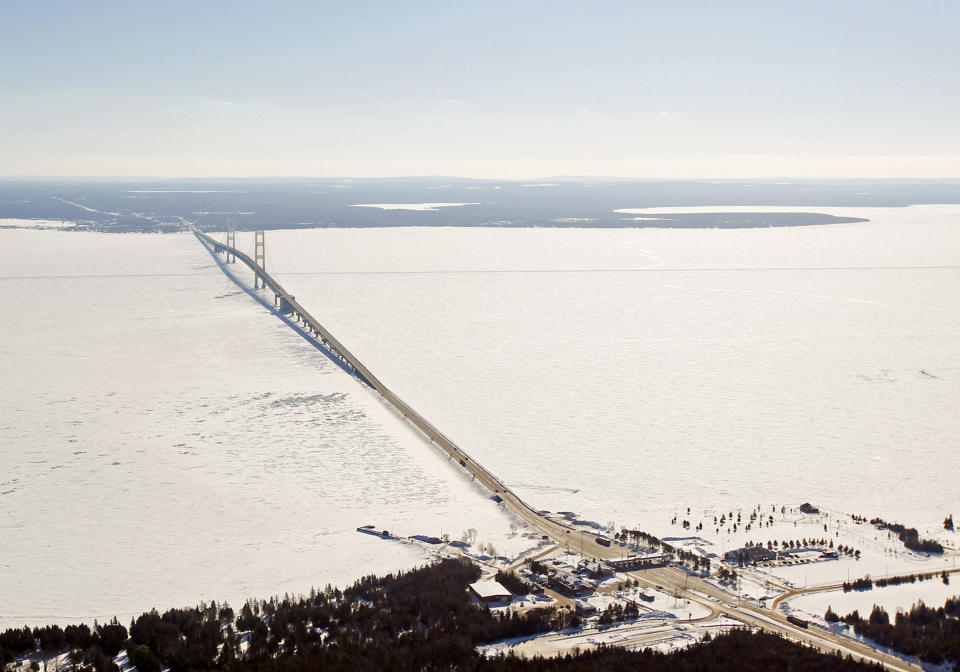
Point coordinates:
[(790, 544), (94, 648), (910, 537), (727, 575), (618, 612), (512, 582), (867, 583), (538, 567), (694, 560), (911, 578), (932, 634)]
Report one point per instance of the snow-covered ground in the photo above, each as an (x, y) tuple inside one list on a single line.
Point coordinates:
[(662, 606), (645, 633), (881, 552), (166, 441), (932, 592)]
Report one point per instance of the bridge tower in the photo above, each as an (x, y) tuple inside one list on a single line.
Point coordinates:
[(231, 239), (259, 258)]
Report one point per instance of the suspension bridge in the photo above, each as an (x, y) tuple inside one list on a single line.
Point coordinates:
[(286, 307)]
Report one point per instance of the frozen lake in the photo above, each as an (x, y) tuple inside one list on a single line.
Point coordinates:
[(166, 441), (618, 373)]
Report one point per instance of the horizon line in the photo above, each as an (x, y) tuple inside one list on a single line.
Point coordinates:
[(117, 178)]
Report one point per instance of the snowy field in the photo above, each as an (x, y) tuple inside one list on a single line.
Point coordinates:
[(882, 554), (932, 592), (166, 441), (626, 373)]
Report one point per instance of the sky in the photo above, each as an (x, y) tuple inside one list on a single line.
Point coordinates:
[(480, 89)]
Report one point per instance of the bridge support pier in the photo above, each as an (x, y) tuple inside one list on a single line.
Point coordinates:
[(282, 304)]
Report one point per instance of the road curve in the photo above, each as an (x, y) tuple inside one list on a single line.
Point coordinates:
[(794, 592)]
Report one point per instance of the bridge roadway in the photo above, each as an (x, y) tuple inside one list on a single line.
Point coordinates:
[(672, 579)]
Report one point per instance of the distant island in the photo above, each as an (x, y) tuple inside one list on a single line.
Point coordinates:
[(160, 205)]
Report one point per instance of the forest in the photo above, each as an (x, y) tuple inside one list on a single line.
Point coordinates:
[(932, 634), (421, 619), (866, 583), (910, 537)]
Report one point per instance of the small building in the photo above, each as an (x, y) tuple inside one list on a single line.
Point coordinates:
[(532, 587), (370, 529), (749, 554), (760, 554), (567, 583), (490, 592), (633, 562), (594, 570), (584, 608), (807, 507)]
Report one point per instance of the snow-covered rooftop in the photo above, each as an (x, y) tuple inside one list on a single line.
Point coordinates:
[(489, 589)]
